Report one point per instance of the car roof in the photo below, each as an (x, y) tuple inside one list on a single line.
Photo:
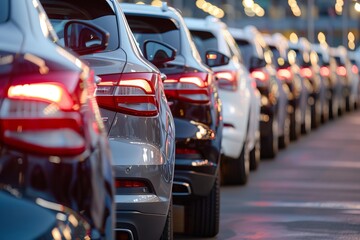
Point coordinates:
[(209, 23), (145, 9)]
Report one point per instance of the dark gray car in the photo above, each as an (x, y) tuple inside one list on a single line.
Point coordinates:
[(136, 114)]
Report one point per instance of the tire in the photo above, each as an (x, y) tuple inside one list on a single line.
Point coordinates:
[(236, 171), (168, 232), (254, 154), (295, 125), (315, 115), (306, 126), (333, 108), (284, 140), (270, 144), (203, 214)]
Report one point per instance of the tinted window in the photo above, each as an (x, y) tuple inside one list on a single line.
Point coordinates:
[(152, 28), (276, 55), (204, 41), (247, 50), (98, 13), (4, 10)]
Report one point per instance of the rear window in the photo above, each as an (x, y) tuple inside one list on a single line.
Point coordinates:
[(98, 13), (4, 10), (204, 41), (247, 50), (153, 28)]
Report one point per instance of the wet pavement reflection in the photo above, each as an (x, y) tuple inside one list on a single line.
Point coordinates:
[(310, 191)]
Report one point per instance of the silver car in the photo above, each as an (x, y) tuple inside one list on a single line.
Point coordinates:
[(136, 114)]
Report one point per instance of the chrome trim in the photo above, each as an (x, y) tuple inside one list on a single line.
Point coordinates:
[(183, 184), (127, 231)]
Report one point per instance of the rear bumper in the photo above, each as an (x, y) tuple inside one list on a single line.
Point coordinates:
[(136, 225)]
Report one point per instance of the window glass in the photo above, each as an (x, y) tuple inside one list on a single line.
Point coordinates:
[(153, 28), (98, 13), (204, 41), (247, 51), (4, 10)]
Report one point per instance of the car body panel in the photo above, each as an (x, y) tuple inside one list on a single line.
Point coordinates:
[(142, 146)]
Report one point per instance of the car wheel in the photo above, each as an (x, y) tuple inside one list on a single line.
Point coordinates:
[(168, 228), (284, 140), (270, 144), (255, 153), (204, 213), (306, 125), (315, 114), (236, 171), (295, 126), (333, 108)]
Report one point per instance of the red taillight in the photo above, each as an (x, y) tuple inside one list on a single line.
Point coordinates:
[(49, 92), (227, 80), (43, 117), (325, 71), (306, 72), (341, 71), (132, 186), (228, 125), (355, 69), (129, 183), (186, 151), (260, 75), (130, 93), (285, 74), (191, 87)]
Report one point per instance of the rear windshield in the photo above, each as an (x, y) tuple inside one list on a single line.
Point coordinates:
[(204, 41), (153, 28), (4, 10), (247, 50), (276, 55), (100, 14), (338, 61)]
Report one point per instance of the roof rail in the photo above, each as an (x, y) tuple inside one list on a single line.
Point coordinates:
[(164, 7)]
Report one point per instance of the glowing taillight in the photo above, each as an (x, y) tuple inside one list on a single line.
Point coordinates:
[(44, 117), (341, 71), (306, 72), (48, 92), (186, 151), (260, 75), (132, 186), (227, 80), (284, 74), (325, 71), (355, 69), (129, 93), (191, 87)]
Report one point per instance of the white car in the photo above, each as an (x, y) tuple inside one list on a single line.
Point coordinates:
[(275, 120), (348, 74), (239, 95)]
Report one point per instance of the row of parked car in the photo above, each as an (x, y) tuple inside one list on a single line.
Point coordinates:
[(112, 114)]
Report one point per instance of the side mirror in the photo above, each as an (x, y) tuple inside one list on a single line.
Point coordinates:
[(158, 53), (84, 38), (214, 58), (256, 62)]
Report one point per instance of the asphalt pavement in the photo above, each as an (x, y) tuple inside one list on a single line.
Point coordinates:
[(311, 191)]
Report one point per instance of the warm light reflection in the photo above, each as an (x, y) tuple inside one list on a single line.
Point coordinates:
[(210, 8), (156, 3), (56, 234), (294, 8), (321, 37), (251, 9), (357, 7), (294, 38)]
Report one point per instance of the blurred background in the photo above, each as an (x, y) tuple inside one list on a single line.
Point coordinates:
[(335, 21)]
